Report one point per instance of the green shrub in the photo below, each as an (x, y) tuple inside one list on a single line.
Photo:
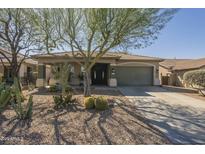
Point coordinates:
[(101, 103), (5, 96), (195, 79), (68, 89), (63, 101), (2, 86), (89, 102), (53, 88)]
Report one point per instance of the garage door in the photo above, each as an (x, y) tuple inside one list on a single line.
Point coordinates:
[(134, 76)]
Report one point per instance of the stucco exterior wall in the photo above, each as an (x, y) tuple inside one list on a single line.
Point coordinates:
[(163, 71), (74, 79), (112, 63), (22, 71), (176, 77)]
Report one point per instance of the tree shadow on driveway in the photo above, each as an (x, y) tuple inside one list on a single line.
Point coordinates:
[(181, 124)]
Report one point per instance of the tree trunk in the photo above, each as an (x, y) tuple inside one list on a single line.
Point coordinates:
[(87, 80), (15, 74)]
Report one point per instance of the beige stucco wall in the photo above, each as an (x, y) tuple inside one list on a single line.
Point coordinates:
[(48, 73), (77, 68), (163, 71), (22, 70), (74, 77), (176, 77)]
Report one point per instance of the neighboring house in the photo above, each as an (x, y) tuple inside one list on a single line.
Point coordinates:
[(27, 72), (172, 70), (113, 69)]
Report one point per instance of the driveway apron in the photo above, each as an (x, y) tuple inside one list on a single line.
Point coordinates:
[(181, 118)]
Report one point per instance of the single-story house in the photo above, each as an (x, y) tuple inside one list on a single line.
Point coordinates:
[(172, 70), (27, 72), (113, 69)]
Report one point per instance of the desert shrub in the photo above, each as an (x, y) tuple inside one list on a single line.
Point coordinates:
[(5, 96), (89, 102), (53, 88), (195, 79), (63, 101), (101, 103), (23, 112), (68, 89)]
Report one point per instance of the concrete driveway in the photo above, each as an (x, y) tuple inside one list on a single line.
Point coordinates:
[(181, 118)]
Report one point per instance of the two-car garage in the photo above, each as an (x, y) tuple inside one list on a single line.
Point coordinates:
[(134, 75)]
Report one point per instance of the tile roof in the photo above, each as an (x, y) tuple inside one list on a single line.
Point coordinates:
[(116, 55), (183, 64), (8, 54)]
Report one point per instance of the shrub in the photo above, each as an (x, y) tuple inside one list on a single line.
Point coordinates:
[(89, 102), (53, 88), (68, 89), (2, 86), (195, 79), (101, 103), (63, 101)]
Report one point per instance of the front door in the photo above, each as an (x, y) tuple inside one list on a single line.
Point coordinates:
[(99, 74)]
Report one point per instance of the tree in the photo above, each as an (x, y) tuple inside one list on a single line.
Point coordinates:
[(93, 32), (17, 38), (62, 72), (195, 79)]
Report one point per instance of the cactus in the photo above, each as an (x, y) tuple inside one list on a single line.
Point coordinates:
[(22, 112), (29, 108), (2, 87), (5, 96), (4, 99)]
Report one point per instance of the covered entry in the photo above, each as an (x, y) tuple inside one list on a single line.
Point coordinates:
[(134, 76), (99, 74)]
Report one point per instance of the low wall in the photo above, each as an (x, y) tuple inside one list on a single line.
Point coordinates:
[(179, 89)]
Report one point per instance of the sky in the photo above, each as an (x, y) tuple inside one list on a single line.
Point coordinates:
[(183, 37)]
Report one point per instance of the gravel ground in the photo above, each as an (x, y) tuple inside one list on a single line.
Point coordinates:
[(118, 125)]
